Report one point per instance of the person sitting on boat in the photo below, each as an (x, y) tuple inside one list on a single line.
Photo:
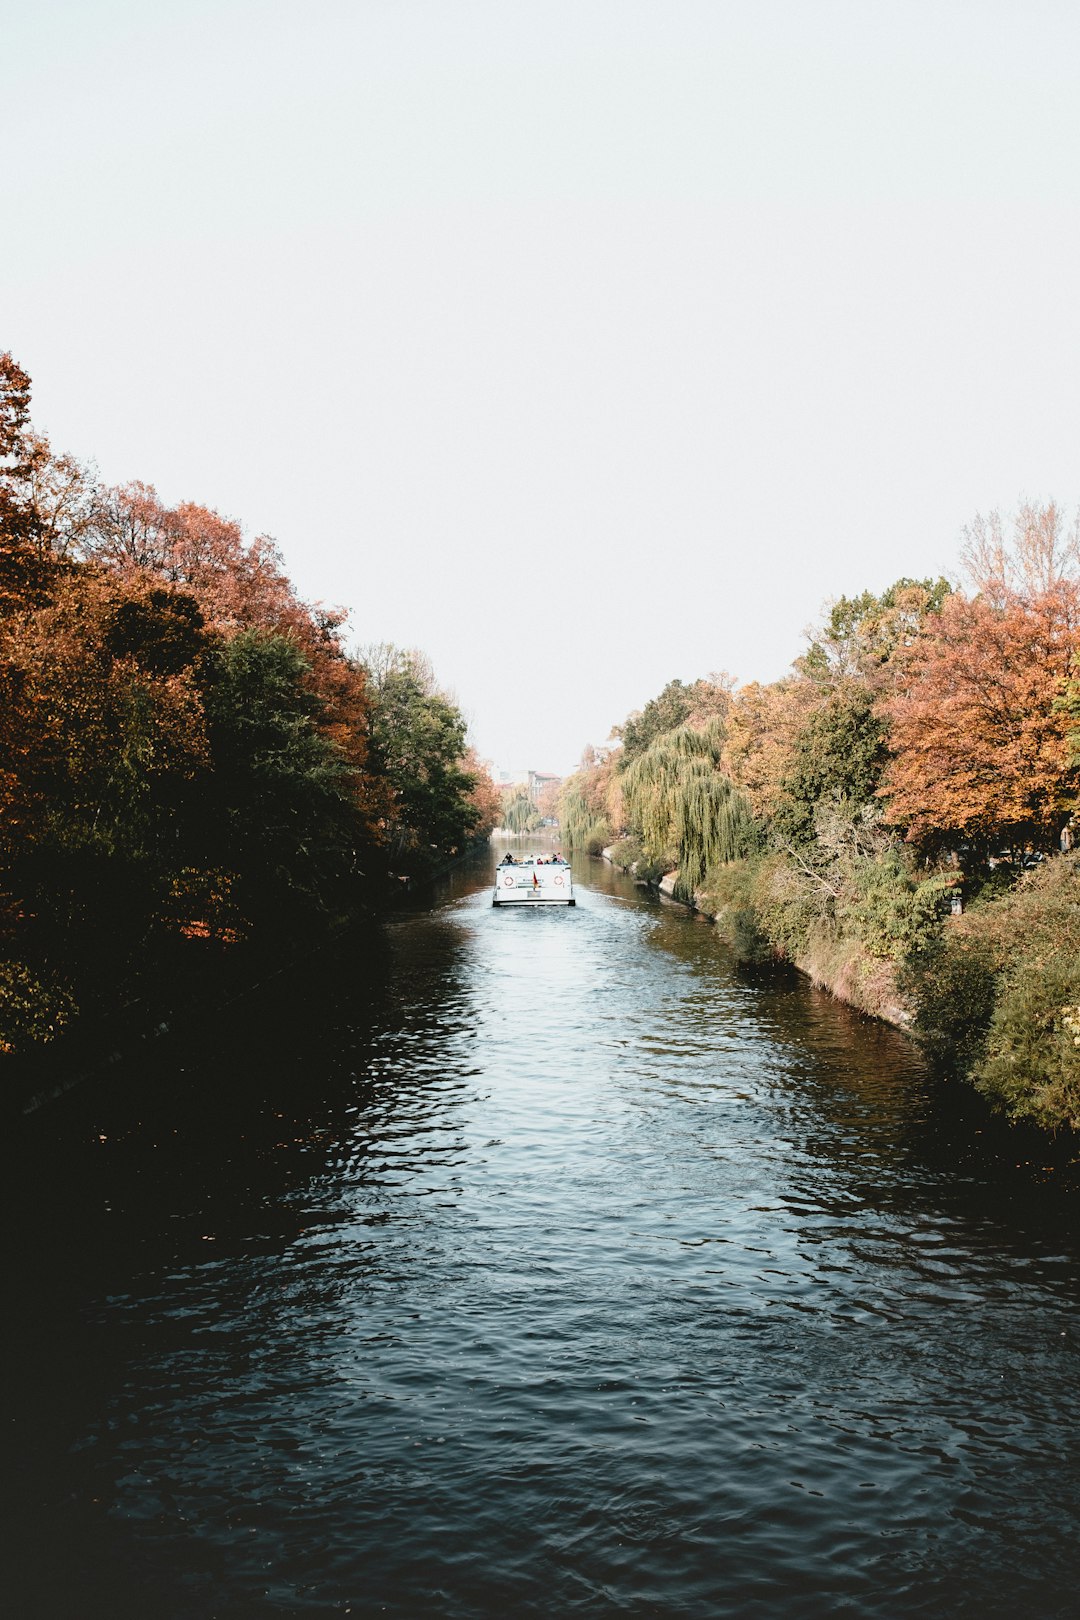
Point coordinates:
[(507, 860)]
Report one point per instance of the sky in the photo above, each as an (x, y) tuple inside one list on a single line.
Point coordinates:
[(581, 345)]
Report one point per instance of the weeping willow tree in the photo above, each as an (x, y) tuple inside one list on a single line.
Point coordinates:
[(521, 814), (583, 828), (684, 808)]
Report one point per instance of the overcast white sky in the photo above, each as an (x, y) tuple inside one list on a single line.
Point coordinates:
[(582, 344)]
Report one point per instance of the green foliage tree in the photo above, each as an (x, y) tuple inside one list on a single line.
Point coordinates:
[(700, 704), (23, 571), (281, 799), (683, 806), (520, 814), (582, 816), (418, 743), (660, 714), (839, 754), (863, 633)]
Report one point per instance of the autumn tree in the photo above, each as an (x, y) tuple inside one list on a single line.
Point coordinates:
[(1035, 556), (818, 737), (978, 733), (483, 795), (761, 732), (64, 496), (547, 798), (187, 749), (112, 744), (242, 585), (978, 725)]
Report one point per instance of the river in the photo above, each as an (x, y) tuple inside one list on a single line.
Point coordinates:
[(536, 1264)]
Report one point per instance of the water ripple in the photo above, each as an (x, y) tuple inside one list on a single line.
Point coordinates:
[(565, 1268)]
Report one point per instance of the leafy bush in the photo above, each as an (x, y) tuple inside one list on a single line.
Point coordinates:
[(890, 911), (730, 895), (32, 1009), (596, 838), (1031, 1064), (997, 994), (625, 853), (791, 905), (952, 984)]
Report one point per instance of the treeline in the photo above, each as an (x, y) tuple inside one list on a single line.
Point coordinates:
[(193, 769), (895, 814)]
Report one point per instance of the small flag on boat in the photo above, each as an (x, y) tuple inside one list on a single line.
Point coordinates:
[(536, 881)]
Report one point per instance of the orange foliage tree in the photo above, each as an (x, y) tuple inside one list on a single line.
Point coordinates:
[(978, 731), (240, 585), (483, 795), (762, 729), (110, 702)]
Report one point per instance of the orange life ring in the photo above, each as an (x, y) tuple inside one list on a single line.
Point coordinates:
[(508, 882), (558, 880)]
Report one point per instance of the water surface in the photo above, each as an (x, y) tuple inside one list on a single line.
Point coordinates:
[(537, 1263)]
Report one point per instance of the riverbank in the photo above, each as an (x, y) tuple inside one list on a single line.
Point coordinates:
[(198, 985), (185, 1008), (992, 994), (844, 968)]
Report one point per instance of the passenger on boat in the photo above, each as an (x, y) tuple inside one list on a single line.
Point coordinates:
[(508, 860)]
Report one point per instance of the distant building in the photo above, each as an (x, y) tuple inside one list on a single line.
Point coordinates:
[(538, 781)]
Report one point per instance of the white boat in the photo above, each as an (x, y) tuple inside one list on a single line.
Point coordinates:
[(533, 880)]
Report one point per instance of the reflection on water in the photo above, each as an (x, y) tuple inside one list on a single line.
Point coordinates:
[(537, 1263)]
